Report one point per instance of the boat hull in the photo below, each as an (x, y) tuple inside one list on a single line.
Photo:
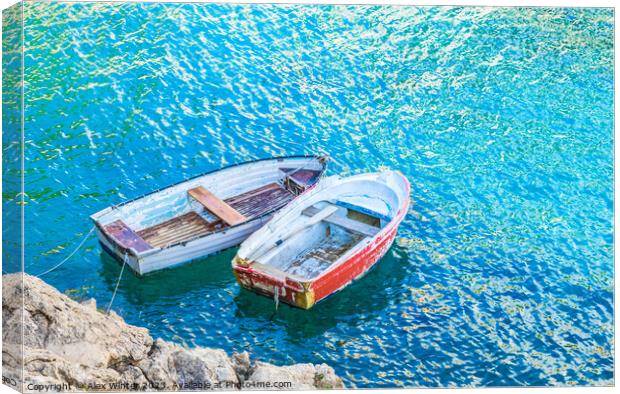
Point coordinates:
[(182, 253)]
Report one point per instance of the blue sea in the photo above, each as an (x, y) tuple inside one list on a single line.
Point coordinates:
[(501, 118)]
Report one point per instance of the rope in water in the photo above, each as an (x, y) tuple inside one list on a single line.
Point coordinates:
[(331, 158), (70, 255), (276, 296), (117, 283)]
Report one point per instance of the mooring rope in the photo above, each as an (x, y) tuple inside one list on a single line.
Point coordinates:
[(70, 255), (331, 158), (276, 296), (117, 283)]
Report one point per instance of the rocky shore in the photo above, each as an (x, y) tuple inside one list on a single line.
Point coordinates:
[(70, 346)]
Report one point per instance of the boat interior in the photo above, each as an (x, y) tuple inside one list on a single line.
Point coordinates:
[(213, 214), (202, 208), (327, 231)]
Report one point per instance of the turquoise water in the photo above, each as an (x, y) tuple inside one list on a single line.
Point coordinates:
[(502, 272)]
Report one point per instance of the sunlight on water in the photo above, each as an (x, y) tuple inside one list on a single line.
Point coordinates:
[(501, 118)]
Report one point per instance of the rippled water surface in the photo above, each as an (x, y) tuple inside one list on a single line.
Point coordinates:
[(502, 272)]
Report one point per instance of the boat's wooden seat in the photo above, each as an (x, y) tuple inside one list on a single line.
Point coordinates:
[(125, 236), (216, 206), (345, 222)]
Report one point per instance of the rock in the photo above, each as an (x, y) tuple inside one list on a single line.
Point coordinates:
[(92, 303), (158, 368), (301, 376), (70, 346), (76, 333), (242, 365)]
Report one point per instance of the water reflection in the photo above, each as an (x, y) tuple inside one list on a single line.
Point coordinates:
[(213, 272)]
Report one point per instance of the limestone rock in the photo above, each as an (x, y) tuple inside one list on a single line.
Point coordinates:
[(242, 365), (70, 346), (301, 376)]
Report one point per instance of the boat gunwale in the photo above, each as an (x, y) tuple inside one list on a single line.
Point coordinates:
[(322, 159)]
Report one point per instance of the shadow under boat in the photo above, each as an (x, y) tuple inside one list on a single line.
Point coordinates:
[(214, 271)]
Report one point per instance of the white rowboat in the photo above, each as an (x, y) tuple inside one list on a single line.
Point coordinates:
[(205, 214)]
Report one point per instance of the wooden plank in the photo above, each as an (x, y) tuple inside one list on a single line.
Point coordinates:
[(216, 206), (191, 225), (126, 237), (179, 221), (312, 263), (254, 204), (252, 193), (179, 229), (363, 210), (345, 222)]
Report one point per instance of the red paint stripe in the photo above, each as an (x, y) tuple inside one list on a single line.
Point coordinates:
[(353, 267)]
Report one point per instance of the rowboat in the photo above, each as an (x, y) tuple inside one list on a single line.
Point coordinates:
[(324, 239), (205, 214)]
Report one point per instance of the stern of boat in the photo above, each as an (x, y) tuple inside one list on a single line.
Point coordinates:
[(285, 289)]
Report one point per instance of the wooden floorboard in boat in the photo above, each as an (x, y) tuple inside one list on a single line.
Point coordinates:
[(182, 228), (314, 261), (252, 204), (178, 229)]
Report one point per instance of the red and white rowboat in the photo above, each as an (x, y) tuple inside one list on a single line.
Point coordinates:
[(325, 238)]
